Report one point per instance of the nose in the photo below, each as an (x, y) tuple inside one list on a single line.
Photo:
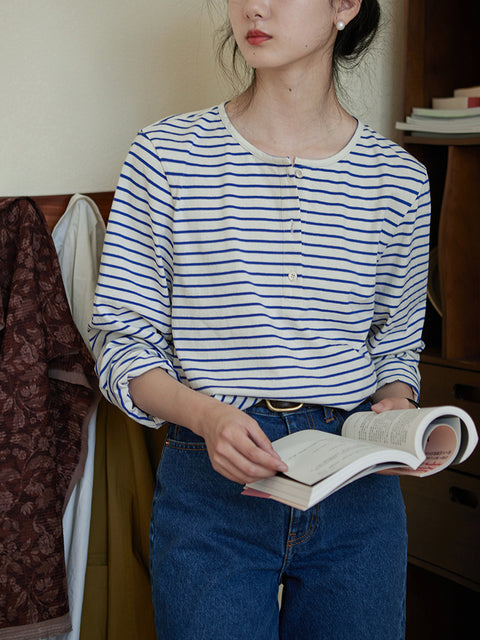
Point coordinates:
[(255, 9)]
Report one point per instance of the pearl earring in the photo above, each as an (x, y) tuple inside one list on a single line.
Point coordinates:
[(340, 25)]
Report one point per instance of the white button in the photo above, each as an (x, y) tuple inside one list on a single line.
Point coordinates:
[(299, 173), (292, 276)]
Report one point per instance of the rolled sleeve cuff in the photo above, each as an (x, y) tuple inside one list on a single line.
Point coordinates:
[(394, 370), (117, 388)]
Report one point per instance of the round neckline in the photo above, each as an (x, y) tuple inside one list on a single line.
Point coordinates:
[(285, 160)]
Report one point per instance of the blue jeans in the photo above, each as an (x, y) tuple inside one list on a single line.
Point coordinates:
[(217, 557)]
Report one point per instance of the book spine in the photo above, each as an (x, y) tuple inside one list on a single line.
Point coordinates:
[(468, 91), (461, 102)]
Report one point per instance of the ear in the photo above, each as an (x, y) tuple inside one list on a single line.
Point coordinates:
[(346, 10)]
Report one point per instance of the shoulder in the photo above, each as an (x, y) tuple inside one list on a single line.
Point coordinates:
[(378, 151), (387, 173), (197, 128)]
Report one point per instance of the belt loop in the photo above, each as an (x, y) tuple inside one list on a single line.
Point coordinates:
[(328, 413)]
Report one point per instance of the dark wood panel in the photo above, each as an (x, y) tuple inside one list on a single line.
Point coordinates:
[(439, 608), (459, 255), (53, 207), (443, 516), (464, 141), (415, 54), (441, 49)]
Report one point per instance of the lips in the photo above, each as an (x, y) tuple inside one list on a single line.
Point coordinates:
[(256, 37)]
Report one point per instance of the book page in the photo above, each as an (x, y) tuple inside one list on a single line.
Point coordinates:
[(441, 444), (399, 429), (405, 429), (312, 455)]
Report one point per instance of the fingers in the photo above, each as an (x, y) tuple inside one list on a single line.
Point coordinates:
[(389, 404), (258, 437), (244, 461), (235, 466), (240, 450)]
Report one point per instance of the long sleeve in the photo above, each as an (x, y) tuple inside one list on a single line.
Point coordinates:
[(395, 339), (131, 326)]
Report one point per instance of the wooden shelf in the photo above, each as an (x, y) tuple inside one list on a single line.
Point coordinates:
[(431, 356), (444, 141)]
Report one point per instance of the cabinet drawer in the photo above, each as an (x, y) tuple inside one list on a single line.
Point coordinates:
[(442, 385), (443, 515)]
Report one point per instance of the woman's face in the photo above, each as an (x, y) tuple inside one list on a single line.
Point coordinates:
[(281, 33)]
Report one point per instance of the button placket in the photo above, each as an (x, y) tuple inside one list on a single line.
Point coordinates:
[(293, 261)]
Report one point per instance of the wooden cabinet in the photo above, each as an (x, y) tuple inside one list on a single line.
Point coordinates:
[(443, 511)]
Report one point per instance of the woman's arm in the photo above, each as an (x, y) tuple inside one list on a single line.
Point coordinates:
[(395, 339), (237, 446)]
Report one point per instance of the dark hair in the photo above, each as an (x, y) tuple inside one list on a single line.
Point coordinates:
[(350, 44), (230, 59), (354, 40)]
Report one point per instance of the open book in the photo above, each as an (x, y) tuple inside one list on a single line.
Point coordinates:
[(410, 442)]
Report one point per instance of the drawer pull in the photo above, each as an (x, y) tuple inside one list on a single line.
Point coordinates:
[(463, 497), (466, 392)]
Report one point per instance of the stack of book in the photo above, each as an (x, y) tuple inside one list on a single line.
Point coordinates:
[(458, 115)]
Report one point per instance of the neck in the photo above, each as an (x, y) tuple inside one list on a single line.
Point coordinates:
[(291, 115)]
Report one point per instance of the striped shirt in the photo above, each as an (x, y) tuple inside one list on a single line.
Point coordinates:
[(246, 276)]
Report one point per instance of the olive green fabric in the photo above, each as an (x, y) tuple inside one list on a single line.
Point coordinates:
[(117, 601)]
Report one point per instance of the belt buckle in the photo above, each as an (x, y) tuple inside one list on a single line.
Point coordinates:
[(272, 407)]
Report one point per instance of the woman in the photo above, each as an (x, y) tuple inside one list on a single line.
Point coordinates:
[(272, 248)]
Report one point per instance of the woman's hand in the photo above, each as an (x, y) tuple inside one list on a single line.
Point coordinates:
[(237, 446), (387, 404), (393, 396)]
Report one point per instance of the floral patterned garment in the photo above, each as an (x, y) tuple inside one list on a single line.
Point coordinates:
[(47, 393)]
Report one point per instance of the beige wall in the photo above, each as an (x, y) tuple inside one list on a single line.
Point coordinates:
[(80, 77), (375, 89)]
